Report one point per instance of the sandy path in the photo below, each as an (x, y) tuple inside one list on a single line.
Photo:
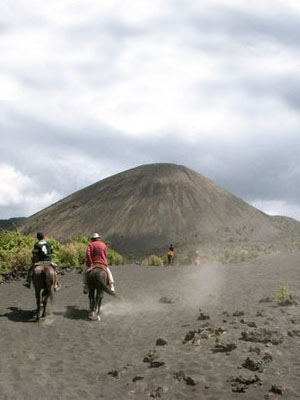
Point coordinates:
[(68, 357)]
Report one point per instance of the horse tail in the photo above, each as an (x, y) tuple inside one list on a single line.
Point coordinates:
[(101, 281), (48, 283)]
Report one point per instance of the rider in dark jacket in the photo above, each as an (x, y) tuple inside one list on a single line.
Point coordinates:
[(41, 252)]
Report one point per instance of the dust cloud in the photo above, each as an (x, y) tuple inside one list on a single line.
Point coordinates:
[(181, 286)]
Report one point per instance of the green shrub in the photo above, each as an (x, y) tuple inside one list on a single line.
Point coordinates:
[(16, 251), (283, 296), (115, 258), (72, 255), (153, 260)]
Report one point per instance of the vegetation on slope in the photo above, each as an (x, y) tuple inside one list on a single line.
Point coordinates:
[(16, 252)]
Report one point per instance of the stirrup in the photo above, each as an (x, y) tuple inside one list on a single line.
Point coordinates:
[(85, 289)]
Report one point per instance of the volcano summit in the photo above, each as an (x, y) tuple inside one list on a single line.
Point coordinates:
[(151, 206)]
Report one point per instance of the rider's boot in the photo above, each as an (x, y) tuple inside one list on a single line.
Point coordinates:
[(57, 285), (85, 287), (112, 288), (28, 280)]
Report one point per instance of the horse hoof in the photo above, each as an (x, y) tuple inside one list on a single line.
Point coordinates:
[(98, 318), (93, 316)]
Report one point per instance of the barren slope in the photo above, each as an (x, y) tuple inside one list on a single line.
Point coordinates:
[(151, 206)]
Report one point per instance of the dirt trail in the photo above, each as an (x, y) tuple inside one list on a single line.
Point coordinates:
[(207, 353)]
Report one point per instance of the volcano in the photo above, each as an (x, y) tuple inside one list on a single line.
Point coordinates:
[(151, 206)]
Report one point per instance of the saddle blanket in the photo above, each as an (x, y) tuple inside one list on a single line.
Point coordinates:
[(101, 266)]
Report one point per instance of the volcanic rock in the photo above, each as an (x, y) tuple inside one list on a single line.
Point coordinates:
[(262, 336)]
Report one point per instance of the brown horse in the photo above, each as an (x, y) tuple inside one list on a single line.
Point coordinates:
[(96, 281), (170, 258), (43, 279)]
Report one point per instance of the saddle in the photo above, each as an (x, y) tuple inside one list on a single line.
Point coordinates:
[(41, 265), (171, 253), (103, 267)]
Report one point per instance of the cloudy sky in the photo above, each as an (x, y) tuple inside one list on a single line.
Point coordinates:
[(91, 88)]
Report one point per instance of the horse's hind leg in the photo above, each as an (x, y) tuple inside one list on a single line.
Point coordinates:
[(92, 303), (38, 304), (44, 305), (98, 302)]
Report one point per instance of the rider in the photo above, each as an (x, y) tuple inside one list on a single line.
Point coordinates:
[(170, 254), (41, 252), (96, 253)]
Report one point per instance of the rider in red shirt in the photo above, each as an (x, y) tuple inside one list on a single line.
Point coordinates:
[(96, 253)]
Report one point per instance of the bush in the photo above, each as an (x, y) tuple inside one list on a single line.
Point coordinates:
[(153, 260), (72, 255), (15, 251), (283, 296), (115, 258)]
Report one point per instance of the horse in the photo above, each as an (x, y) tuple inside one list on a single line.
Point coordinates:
[(96, 282), (170, 258), (43, 279)]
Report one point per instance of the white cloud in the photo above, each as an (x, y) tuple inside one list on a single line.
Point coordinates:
[(83, 81), (13, 184), (16, 188), (278, 207)]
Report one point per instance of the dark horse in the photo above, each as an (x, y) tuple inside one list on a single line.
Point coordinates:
[(97, 284), (170, 258), (43, 278)]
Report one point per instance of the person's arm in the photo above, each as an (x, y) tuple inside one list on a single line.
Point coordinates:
[(89, 260), (35, 254), (105, 253)]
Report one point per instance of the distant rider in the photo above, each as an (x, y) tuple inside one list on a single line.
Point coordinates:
[(41, 252), (96, 255), (171, 255)]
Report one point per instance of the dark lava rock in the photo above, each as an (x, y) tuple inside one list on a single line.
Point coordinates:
[(157, 393), (226, 313), (161, 342), (240, 384), (251, 324), (294, 333), (260, 314), (189, 336), (190, 381), (203, 316), (181, 376), (267, 358), (205, 332), (238, 314), (166, 300), (224, 347), (256, 350), (253, 365), (114, 373), (295, 320), (151, 359), (137, 378), (151, 356), (156, 364), (277, 389), (262, 336), (265, 300)]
